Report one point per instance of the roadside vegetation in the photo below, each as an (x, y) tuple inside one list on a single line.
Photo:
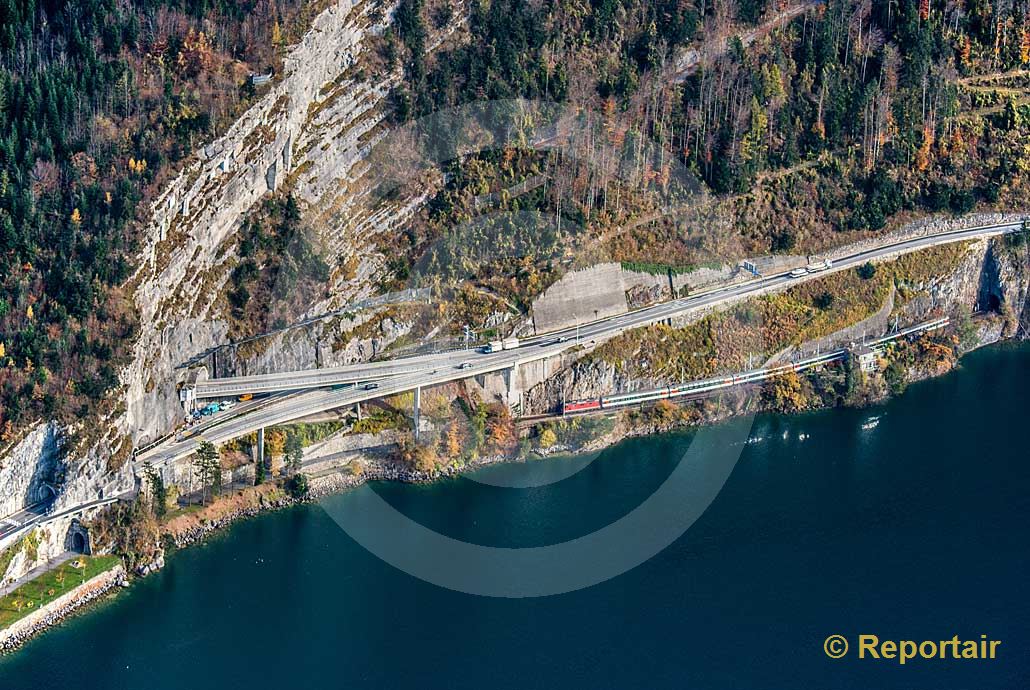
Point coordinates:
[(134, 530), (377, 420), (465, 430), (833, 385), (128, 530), (570, 433), (759, 328)]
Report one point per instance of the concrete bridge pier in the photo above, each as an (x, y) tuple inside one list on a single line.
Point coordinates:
[(261, 447), (508, 385), (514, 392), (417, 409)]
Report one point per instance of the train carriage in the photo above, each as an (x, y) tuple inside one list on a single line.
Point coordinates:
[(581, 405), (633, 398)]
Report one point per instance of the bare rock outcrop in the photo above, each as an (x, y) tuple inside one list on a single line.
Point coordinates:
[(312, 129), (29, 473)]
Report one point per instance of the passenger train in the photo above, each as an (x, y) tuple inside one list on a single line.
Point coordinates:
[(611, 401)]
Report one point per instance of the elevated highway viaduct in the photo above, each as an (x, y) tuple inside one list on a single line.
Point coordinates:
[(312, 391)]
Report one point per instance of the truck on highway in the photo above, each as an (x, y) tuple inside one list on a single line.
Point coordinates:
[(498, 345), (819, 266)]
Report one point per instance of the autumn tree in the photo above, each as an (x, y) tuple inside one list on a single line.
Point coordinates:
[(501, 428), (420, 457), (548, 438), (785, 393), (665, 412), (452, 441), (275, 447)]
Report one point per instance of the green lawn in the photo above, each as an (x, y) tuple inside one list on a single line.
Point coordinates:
[(51, 585)]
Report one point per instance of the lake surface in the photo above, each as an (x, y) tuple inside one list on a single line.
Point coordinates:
[(914, 529)]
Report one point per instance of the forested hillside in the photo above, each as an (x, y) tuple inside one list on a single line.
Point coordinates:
[(818, 132), (98, 100), (803, 134)]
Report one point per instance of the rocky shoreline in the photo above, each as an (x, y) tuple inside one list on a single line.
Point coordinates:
[(375, 469), (320, 487), (379, 469), (23, 630), (194, 534)]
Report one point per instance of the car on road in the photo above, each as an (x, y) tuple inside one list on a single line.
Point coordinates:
[(245, 397), (465, 365), (370, 386), (227, 405)]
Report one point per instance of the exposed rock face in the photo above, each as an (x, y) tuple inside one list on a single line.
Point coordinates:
[(582, 380), (992, 278), (36, 547), (190, 238), (324, 344), (32, 472), (659, 286), (1009, 288), (959, 288), (313, 127), (31, 469)]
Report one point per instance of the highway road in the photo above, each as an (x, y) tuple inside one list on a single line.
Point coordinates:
[(426, 370), (14, 522), (38, 515), (604, 328)]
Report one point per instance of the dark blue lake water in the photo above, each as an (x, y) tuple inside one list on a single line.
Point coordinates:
[(916, 528)]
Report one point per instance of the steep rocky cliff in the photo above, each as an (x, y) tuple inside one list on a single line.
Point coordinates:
[(312, 129), (29, 471), (190, 238)]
